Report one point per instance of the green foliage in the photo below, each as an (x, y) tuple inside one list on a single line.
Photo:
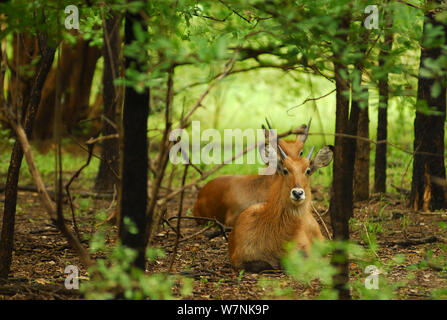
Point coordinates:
[(368, 231), (317, 265), (275, 289), (90, 22), (43, 17), (439, 294), (241, 274), (116, 278), (5, 137)]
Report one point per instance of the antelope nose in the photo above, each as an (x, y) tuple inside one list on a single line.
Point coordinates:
[(297, 194)]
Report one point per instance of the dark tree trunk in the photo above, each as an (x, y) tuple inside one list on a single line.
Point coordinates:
[(135, 158), (7, 235), (109, 167), (382, 120), (428, 184), (341, 207), (361, 168)]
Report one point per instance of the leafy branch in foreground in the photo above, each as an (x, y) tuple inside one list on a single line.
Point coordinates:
[(115, 276)]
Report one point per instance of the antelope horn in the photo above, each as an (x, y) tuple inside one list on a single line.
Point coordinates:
[(310, 153), (268, 123), (270, 129), (282, 153), (306, 132)]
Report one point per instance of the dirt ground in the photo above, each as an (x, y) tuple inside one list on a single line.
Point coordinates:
[(41, 253)]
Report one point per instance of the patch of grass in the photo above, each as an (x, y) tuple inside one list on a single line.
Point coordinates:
[(46, 165)]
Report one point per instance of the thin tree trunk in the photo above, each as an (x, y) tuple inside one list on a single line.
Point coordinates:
[(109, 168), (7, 235), (341, 204), (135, 157), (361, 167), (25, 50), (428, 183), (382, 119)]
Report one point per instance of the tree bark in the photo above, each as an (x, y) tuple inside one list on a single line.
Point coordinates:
[(382, 119), (7, 235), (341, 206), (428, 182), (25, 50), (109, 167), (77, 67), (361, 167), (135, 157)]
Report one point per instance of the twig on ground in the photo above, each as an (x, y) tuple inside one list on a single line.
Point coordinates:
[(179, 214), (197, 233), (322, 222), (51, 193), (216, 223), (67, 189), (171, 226), (414, 241)]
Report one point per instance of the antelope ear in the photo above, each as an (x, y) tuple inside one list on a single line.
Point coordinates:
[(301, 137), (322, 158)]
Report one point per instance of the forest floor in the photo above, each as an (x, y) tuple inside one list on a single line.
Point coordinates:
[(41, 253)]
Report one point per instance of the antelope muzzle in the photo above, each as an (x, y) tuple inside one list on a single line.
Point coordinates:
[(297, 194)]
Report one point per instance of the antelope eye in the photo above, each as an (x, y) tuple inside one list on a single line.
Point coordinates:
[(301, 153), (285, 171), (307, 171)]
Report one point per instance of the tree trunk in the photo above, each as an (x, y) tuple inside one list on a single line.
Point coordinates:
[(25, 50), (428, 184), (7, 235), (382, 120), (77, 66), (361, 167), (341, 207), (77, 97), (135, 158), (109, 167)]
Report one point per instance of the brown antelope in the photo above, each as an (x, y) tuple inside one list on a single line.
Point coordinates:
[(257, 240), (225, 197)]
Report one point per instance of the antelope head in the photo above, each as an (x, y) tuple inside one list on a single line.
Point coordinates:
[(297, 171)]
